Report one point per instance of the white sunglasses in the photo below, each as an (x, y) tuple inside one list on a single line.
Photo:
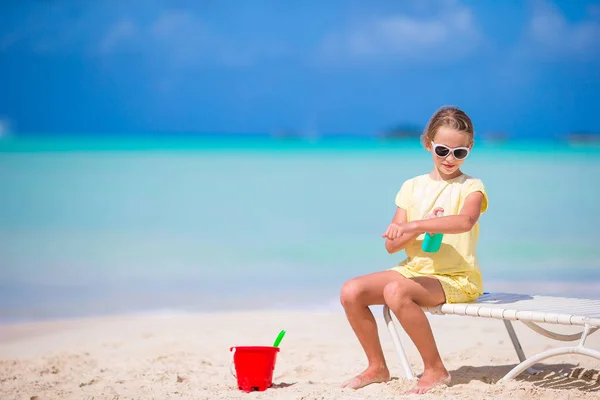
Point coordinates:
[(442, 151)]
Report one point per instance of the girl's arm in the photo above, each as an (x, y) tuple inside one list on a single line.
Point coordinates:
[(463, 222), (399, 243)]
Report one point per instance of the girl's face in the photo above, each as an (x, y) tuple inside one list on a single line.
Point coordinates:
[(449, 148)]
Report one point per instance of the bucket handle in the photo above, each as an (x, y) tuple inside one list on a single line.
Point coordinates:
[(231, 365)]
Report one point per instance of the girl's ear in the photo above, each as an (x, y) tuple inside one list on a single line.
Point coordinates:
[(427, 143), (471, 145)]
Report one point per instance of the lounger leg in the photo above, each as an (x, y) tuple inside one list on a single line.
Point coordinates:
[(514, 339), (397, 344), (517, 345), (579, 349)]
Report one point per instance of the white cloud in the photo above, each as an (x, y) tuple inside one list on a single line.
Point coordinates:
[(180, 35), (551, 35), (171, 24), (182, 40), (120, 32), (176, 38), (449, 34), (192, 42)]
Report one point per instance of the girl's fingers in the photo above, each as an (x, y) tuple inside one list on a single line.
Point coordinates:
[(437, 210), (392, 232), (386, 234), (434, 213)]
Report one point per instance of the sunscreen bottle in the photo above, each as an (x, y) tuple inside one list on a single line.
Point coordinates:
[(432, 243)]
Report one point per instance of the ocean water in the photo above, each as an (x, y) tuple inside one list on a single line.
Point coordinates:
[(95, 227)]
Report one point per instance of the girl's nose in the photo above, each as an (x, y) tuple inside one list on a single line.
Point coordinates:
[(450, 157)]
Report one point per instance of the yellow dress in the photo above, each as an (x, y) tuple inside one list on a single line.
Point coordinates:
[(455, 264)]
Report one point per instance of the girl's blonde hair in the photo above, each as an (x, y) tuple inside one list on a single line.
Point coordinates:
[(450, 117)]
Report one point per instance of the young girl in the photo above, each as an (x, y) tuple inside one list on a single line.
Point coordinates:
[(450, 274)]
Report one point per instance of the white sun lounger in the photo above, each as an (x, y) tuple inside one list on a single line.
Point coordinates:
[(530, 310)]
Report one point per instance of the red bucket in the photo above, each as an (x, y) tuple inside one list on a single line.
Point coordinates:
[(254, 367)]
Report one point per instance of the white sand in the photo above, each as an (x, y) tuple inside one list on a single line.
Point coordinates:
[(187, 357)]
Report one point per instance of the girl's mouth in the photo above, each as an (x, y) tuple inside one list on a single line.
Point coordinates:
[(448, 166)]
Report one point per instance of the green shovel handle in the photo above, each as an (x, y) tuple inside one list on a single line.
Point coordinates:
[(279, 338)]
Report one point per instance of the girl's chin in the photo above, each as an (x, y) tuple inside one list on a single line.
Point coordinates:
[(448, 171)]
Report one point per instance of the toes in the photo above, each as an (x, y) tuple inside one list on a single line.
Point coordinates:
[(347, 383), (366, 378), (351, 383), (419, 390), (359, 382)]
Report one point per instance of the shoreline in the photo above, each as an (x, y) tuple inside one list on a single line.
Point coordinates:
[(295, 302), (248, 143)]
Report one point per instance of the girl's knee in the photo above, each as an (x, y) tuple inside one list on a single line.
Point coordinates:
[(396, 293), (352, 291)]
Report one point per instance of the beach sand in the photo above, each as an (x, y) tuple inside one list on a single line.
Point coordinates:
[(186, 356)]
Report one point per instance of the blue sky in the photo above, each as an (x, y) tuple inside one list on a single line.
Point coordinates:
[(527, 68)]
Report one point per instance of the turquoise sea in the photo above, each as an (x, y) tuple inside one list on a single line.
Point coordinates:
[(111, 225)]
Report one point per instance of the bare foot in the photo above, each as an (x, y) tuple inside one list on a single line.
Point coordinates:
[(430, 379), (368, 376)]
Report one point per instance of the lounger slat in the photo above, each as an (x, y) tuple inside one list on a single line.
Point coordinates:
[(473, 311), (509, 314), (524, 315), (497, 313), (551, 318), (537, 316), (568, 320), (592, 321), (485, 312)]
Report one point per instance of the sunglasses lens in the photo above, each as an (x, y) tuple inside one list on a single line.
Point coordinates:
[(442, 151), (460, 154)]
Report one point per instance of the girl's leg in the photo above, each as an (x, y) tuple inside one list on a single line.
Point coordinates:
[(356, 296), (405, 298)]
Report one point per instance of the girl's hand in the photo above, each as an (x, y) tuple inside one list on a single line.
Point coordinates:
[(433, 215), (394, 231)]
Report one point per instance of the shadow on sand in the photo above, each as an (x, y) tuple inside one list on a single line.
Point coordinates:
[(563, 376)]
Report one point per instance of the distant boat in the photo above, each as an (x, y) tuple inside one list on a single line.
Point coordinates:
[(583, 138), (401, 132)]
